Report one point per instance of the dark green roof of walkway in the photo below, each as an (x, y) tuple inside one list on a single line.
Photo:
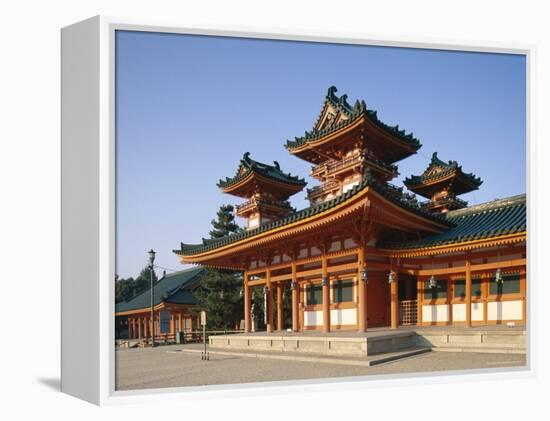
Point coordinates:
[(367, 181), (359, 109), (491, 219), (248, 165), (173, 288)]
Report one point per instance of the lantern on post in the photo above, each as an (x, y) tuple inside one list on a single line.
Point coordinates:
[(365, 276), (432, 283), (152, 294)]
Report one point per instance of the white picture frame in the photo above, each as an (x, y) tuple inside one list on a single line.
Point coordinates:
[(88, 206)]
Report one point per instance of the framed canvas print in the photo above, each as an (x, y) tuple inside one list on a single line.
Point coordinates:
[(249, 209)]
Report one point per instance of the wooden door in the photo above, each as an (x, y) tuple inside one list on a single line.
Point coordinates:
[(376, 300)]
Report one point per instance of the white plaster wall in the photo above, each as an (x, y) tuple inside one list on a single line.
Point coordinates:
[(505, 310), (346, 316), (253, 222), (477, 312), (349, 186), (435, 313), (459, 312), (313, 318)]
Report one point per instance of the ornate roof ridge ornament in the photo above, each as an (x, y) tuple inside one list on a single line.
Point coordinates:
[(353, 113)]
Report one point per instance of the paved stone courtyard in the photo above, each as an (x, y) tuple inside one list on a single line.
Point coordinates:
[(163, 367)]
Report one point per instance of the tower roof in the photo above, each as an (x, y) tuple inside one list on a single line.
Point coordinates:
[(253, 174), (439, 175), (337, 117)]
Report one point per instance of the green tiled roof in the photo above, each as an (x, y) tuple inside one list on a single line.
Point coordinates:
[(367, 181), (359, 109), (173, 288), (248, 165), (491, 219), (446, 167)]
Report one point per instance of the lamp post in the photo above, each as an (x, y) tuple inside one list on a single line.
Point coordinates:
[(151, 261)]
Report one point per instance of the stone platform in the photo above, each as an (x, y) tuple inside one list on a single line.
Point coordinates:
[(495, 339), (337, 345), (486, 340)]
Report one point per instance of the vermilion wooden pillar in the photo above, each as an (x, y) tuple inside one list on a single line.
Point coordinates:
[(361, 292), (279, 307), (468, 298), (131, 328), (269, 303), (394, 306), (146, 327), (326, 295), (295, 299), (419, 299), (139, 322), (247, 304)]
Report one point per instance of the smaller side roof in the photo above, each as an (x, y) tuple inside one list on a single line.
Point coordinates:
[(249, 166), (440, 172), (173, 288)]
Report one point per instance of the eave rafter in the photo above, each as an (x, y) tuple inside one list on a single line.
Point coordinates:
[(458, 247)]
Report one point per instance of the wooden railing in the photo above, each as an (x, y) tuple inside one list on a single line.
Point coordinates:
[(317, 191), (447, 200), (170, 338), (408, 312), (381, 165), (333, 165), (336, 165), (262, 201)]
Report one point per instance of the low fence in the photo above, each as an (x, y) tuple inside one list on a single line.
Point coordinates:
[(190, 336)]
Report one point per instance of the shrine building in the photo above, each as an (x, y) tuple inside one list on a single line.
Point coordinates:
[(173, 303), (366, 253)]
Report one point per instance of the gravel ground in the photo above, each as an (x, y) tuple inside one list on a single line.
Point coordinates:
[(158, 367)]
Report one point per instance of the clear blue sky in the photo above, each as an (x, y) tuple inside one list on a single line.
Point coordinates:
[(188, 107)]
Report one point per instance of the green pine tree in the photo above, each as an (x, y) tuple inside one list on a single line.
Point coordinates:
[(123, 289), (219, 293), (126, 289), (143, 281), (225, 224)]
